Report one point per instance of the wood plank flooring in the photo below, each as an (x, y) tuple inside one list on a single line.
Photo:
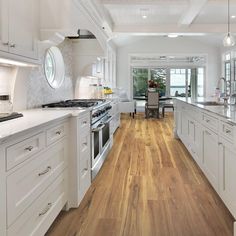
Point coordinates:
[(149, 186)]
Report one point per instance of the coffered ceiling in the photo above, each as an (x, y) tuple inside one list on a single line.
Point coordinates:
[(160, 17)]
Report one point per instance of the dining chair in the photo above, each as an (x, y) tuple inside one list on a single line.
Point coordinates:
[(152, 105)]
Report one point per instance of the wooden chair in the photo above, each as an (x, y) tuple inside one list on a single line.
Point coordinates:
[(152, 105)]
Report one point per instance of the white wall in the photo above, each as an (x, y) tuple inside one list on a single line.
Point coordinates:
[(181, 45)]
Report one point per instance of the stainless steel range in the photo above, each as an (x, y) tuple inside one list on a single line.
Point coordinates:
[(100, 127)]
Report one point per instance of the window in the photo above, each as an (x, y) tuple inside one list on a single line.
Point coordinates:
[(54, 67), (174, 82), (228, 75), (178, 82), (140, 82), (159, 77), (200, 82)]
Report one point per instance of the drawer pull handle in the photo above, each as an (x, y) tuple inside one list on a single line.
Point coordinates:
[(84, 122), (220, 144), (45, 171), (30, 148), (58, 132), (5, 43), (207, 121), (46, 210), (228, 131)]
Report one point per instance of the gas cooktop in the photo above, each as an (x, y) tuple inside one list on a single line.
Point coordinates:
[(75, 103)]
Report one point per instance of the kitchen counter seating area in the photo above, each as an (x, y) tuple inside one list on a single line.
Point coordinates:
[(209, 133)]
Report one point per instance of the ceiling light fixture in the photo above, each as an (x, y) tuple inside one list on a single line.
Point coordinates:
[(229, 40), (172, 35), (144, 13)]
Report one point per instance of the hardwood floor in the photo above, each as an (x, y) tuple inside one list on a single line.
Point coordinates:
[(148, 186)]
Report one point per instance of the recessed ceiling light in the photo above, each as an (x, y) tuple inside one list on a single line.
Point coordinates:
[(172, 35), (233, 17), (144, 13)]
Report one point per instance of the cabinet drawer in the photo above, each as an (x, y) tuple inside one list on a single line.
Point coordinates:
[(39, 216), (28, 182), (210, 122), (55, 133), (21, 151), (227, 130), (84, 124)]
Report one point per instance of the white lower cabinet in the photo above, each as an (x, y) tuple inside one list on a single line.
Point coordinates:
[(210, 157), (39, 216), (34, 179), (227, 184), (80, 159)]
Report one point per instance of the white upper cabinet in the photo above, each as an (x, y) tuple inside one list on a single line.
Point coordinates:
[(19, 26), (4, 25)]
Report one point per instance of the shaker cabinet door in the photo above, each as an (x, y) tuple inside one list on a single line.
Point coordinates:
[(210, 157), (23, 24), (227, 175), (4, 25)]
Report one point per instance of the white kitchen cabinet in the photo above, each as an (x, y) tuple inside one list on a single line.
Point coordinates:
[(80, 159), (19, 26), (210, 157), (184, 126), (195, 136), (33, 175), (227, 173), (4, 25)]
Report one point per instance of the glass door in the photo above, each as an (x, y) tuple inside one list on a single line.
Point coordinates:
[(140, 82), (179, 82)]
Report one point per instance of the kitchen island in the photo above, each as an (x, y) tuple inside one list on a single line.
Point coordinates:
[(209, 134)]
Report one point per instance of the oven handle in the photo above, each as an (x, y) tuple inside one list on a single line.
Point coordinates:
[(108, 120), (98, 128)]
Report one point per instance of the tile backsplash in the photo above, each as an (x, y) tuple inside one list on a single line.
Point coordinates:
[(38, 90)]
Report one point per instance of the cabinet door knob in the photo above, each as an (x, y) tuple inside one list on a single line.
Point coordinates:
[(12, 45), (58, 132)]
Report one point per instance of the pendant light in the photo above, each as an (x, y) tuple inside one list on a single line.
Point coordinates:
[(229, 40)]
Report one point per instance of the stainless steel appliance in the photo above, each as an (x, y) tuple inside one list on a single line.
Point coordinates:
[(100, 126), (101, 133)]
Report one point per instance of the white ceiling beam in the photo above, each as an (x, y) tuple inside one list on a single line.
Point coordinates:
[(195, 7), (172, 28)]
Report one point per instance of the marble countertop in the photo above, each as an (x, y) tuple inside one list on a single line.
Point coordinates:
[(34, 118), (228, 112)]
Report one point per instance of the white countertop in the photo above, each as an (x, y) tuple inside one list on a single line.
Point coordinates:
[(34, 118), (228, 112)]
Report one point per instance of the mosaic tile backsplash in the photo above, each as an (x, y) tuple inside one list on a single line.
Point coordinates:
[(38, 90)]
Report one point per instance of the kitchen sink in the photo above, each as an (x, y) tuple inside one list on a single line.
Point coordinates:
[(210, 103)]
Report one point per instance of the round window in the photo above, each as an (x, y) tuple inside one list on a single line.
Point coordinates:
[(54, 67)]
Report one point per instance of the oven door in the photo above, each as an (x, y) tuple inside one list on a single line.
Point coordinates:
[(106, 132), (96, 142)]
